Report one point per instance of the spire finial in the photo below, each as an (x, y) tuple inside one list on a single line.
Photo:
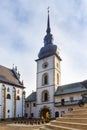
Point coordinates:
[(48, 9), (48, 22)]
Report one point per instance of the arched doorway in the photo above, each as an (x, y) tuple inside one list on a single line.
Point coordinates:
[(56, 114), (45, 113)]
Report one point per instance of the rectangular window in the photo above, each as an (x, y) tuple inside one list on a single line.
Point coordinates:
[(27, 105), (62, 101), (34, 104), (71, 99), (32, 114)]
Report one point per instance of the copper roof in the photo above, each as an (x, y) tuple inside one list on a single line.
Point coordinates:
[(8, 76)]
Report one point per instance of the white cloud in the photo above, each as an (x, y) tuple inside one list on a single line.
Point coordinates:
[(23, 27)]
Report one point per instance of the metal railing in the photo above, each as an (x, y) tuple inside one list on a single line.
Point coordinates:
[(66, 103)]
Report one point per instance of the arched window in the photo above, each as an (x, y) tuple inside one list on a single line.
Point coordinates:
[(18, 98), (8, 96), (57, 78), (8, 89), (56, 114), (18, 91), (45, 96), (45, 79)]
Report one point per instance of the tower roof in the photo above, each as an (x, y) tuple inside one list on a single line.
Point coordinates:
[(49, 48)]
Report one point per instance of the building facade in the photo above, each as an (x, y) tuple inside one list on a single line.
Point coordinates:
[(12, 95), (49, 96)]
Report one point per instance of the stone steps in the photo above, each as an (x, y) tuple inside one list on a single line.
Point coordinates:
[(79, 126), (75, 120), (79, 110), (76, 115), (55, 127)]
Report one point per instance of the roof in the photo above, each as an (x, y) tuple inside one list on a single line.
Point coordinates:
[(71, 88), (31, 97), (8, 76), (49, 48)]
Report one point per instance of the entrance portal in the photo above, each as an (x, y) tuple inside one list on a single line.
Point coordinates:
[(45, 113)]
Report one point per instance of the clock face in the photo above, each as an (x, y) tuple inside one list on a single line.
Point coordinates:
[(45, 65)]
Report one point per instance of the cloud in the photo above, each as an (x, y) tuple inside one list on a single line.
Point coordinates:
[(22, 29)]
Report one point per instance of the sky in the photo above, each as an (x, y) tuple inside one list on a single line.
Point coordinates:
[(23, 26)]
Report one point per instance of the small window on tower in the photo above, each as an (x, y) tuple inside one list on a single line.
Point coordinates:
[(57, 78), (45, 96), (45, 65), (57, 65), (45, 79)]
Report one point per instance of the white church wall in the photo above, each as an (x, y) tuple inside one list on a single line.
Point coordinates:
[(10, 102), (19, 103)]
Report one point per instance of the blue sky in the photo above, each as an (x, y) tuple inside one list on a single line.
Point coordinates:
[(22, 29)]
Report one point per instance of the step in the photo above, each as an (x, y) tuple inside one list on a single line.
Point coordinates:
[(79, 110), (44, 128), (80, 126), (56, 127), (75, 115), (68, 119)]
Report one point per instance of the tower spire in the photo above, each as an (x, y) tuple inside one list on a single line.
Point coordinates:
[(48, 22)]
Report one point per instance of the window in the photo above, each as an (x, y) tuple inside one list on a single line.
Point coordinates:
[(18, 91), (45, 79), (18, 97), (57, 65), (44, 65), (62, 113), (34, 104), (8, 111), (71, 99), (32, 115), (45, 96), (57, 78), (56, 114), (26, 115), (8, 89), (8, 96), (62, 101), (27, 104)]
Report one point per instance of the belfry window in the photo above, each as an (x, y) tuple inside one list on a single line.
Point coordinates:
[(45, 95), (45, 79)]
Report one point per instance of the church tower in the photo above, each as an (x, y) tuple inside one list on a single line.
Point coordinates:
[(48, 75)]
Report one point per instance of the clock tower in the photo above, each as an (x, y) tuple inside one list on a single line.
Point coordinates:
[(48, 75)]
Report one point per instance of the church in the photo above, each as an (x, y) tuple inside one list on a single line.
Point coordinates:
[(12, 94), (50, 96)]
